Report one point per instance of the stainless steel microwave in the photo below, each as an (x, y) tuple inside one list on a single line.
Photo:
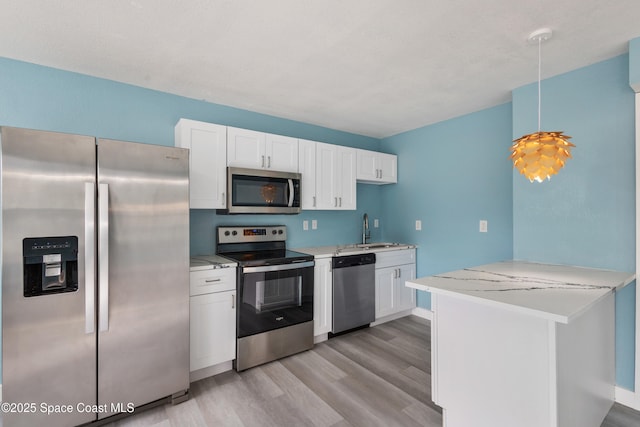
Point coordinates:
[(255, 191)]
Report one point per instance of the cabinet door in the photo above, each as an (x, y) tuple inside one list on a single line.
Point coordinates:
[(281, 153), (327, 176), (322, 297), (207, 162), (212, 329), (388, 166), (367, 167), (307, 167), (246, 148), (385, 291), (346, 182), (405, 297)]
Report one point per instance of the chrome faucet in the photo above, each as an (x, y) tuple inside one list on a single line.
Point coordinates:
[(366, 233)]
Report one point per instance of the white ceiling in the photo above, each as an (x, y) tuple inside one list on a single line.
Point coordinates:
[(371, 67)]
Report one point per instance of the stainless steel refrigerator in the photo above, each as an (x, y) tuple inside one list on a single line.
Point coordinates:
[(95, 276)]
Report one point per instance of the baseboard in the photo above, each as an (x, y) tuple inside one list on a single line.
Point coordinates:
[(391, 317), (210, 371), (422, 312), (320, 338), (627, 398)]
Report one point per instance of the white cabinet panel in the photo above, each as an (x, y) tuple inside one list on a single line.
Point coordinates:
[(245, 148), (385, 291), (212, 329), (393, 269), (376, 168), (281, 153), (213, 317), (335, 177), (259, 150), (207, 143), (307, 167), (322, 296)]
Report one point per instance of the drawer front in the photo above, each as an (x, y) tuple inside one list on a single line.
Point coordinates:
[(391, 258), (210, 281)]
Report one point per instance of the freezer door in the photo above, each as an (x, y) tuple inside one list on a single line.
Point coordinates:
[(143, 257), (48, 338)]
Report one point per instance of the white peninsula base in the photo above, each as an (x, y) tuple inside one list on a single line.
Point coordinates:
[(523, 344)]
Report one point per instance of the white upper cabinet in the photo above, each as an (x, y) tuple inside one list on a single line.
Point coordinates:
[(259, 150), (282, 153), (376, 168), (335, 177), (207, 162), (307, 167)]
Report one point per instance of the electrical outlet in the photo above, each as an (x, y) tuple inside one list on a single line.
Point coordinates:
[(484, 226), (418, 225), (314, 224), (376, 223), (305, 225)]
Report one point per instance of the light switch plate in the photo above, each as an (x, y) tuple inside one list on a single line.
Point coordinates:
[(418, 225), (484, 226), (314, 224), (305, 225), (376, 223)]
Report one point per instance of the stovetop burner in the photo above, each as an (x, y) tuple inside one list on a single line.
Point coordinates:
[(257, 245), (280, 256)]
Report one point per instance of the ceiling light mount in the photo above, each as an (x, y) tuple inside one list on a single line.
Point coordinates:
[(540, 35)]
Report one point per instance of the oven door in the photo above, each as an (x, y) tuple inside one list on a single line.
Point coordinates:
[(274, 296)]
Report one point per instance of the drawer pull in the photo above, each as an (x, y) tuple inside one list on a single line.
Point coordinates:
[(212, 280)]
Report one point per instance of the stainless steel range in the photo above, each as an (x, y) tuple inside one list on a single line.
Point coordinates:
[(275, 293)]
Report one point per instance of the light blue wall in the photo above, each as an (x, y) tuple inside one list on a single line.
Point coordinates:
[(37, 97), (585, 215), (451, 175)]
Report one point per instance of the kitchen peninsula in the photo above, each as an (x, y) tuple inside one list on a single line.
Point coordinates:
[(526, 344)]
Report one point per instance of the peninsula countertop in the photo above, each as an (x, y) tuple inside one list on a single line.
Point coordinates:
[(555, 292)]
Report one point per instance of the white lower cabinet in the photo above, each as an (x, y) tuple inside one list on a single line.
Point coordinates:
[(393, 268), (322, 295), (213, 317)]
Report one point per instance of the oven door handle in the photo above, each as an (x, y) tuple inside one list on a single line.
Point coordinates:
[(279, 267)]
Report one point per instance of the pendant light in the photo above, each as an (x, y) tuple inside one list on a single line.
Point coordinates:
[(540, 154)]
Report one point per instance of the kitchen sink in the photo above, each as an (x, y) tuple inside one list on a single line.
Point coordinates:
[(377, 245), (362, 247)]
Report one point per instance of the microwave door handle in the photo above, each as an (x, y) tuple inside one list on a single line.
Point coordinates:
[(290, 192)]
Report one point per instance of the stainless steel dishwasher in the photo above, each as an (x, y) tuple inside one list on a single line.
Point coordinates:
[(354, 291)]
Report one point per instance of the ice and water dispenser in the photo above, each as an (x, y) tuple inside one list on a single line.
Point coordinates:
[(50, 265)]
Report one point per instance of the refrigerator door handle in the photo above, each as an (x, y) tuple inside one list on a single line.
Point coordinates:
[(89, 257), (103, 255)]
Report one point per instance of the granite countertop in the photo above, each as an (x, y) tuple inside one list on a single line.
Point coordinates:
[(352, 249), (555, 292), (210, 262)]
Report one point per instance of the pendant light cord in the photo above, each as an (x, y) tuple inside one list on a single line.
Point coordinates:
[(539, 77)]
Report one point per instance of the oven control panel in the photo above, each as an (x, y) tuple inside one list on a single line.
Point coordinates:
[(246, 234)]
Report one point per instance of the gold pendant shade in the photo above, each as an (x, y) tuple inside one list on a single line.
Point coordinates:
[(541, 154)]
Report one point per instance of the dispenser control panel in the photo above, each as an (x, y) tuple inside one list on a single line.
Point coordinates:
[(50, 265)]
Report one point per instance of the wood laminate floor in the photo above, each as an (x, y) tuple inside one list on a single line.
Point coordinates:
[(378, 376)]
